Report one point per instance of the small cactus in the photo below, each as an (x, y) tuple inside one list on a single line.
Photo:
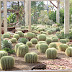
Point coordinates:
[(7, 62), (13, 40), (54, 39), (63, 41), (40, 42), (34, 41), (22, 50), (6, 35), (31, 57), (16, 36), (3, 53), (37, 46), (48, 41), (68, 52), (29, 44), (63, 47), (51, 53), (17, 45)]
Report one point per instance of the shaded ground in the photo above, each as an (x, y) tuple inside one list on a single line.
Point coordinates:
[(62, 61)]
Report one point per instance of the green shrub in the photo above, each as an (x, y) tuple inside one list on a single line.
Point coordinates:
[(17, 45), (23, 40), (51, 53), (30, 35), (3, 53), (54, 39), (63, 40), (6, 35), (13, 40), (7, 62), (31, 57), (52, 45), (34, 41), (43, 47), (48, 41), (6, 44), (16, 36), (42, 37), (63, 47), (22, 50), (20, 33), (68, 52), (29, 44)]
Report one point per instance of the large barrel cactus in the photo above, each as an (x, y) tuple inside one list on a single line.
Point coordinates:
[(3, 53), (22, 50), (43, 47), (68, 52), (17, 45), (7, 62), (63, 47), (31, 57), (51, 53), (6, 35)]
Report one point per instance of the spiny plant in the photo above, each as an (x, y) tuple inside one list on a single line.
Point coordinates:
[(16, 36), (6, 35), (63, 41), (48, 41), (29, 44), (13, 40)]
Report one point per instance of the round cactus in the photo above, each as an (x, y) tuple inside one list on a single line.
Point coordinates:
[(37, 46), (6, 35), (31, 57), (17, 45), (68, 51), (7, 62), (54, 39), (49, 32), (51, 53), (13, 40), (20, 33), (22, 50), (42, 37), (16, 36), (40, 42), (63, 47), (52, 45), (29, 44), (48, 41), (43, 47), (34, 41), (3, 53), (63, 41)]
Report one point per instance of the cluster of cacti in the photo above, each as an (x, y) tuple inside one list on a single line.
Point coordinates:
[(6, 44), (42, 37), (63, 41), (29, 44), (22, 50), (34, 41), (63, 47), (23, 40), (48, 41), (3, 53), (51, 53), (13, 40), (43, 47), (6, 35), (52, 45), (17, 45), (30, 35), (68, 51), (31, 57), (20, 33), (54, 39), (16, 36), (7, 62)]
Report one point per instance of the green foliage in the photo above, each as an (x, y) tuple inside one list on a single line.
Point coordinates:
[(16, 36), (63, 47), (6, 35), (3, 53), (68, 52), (63, 40), (23, 40), (34, 41), (52, 45), (31, 57), (17, 45), (42, 37), (13, 40), (43, 47), (22, 50), (7, 62), (51, 53), (48, 41), (29, 44), (6, 44)]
